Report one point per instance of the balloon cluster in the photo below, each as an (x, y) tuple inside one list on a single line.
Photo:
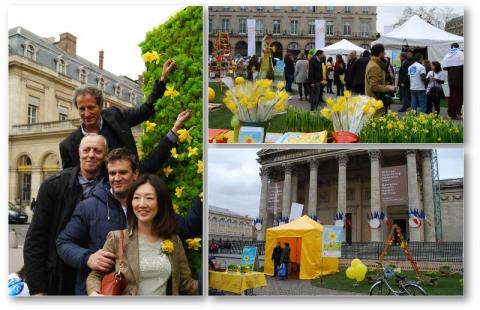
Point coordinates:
[(357, 270)]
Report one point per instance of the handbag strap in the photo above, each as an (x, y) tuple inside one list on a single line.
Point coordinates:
[(122, 237)]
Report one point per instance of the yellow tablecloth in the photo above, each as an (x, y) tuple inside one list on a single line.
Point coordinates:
[(235, 282)]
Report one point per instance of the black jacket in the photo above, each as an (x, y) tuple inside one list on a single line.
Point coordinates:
[(277, 252), (314, 71), (455, 76), (348, 75), (120, 122), (357, 74), (403, 76)]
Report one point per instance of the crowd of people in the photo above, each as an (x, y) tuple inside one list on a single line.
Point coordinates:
[(100, 197)]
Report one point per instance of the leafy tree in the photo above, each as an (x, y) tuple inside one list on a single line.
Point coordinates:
[(435, 16)]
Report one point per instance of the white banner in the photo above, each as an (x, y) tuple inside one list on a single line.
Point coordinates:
[(251, 36), (296, 211), (319, 34)]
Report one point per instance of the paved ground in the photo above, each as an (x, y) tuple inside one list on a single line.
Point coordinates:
[(15, 255)]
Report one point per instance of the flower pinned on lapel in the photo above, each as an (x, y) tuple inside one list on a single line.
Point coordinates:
[(167, 246)]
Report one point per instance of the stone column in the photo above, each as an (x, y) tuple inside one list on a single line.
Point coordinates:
[(415, 233), (36, 181), (287, 190), (342, 186), (294, 186), (263, 203), (312, 192), (428, 205), (375, 234)]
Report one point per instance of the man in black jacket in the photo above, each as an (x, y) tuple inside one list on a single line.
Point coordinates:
[(357, 74), (276, 254), (404, 79), (352, 58), (57, 197), (112, 123), (315, 79)]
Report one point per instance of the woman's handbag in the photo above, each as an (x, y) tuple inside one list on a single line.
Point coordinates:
[(436, 92), (114, 282), (282, 270)]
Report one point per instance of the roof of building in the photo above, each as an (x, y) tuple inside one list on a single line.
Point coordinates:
[(224, 211)]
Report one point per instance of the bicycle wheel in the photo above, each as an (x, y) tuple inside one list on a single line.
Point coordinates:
[(414, 290), (379, 289)]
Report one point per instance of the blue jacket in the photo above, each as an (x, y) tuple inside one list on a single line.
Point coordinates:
[(87, 231)]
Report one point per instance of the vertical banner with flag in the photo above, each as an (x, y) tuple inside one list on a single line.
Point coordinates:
[(332, 241), (319, 34), (251, 36)]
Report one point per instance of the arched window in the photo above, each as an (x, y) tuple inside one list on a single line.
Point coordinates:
[(132, 97), (61, 65), (24, 185), (29, 50), (118, 90), (293, 46), (82, 75), (101, 82)]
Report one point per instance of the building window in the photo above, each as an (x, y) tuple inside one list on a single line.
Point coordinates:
[(364, 29), (294, 27), (277, 8), (330, 28), (132, 96), (365, 9), (118, 90), (33, 103), (329, 9), (210, 25), (62, 113), (348, 9), (293, 46), (30, 52), (311, 27), (82, 76), (242, 26), (294, 8), (61, 65), (259, 27), (276, 26), (243, 9), (225, 25), (259, 8), (226, 8), (347, 29), (311, 9), (26, 187), (101, 82)]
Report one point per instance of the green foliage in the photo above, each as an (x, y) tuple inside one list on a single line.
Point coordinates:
[(411, 129), (298, 120), (445, 271), (180, 38)]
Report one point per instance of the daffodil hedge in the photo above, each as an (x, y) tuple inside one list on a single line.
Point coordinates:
[(180, 38)]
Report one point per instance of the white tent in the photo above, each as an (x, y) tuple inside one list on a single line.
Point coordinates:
[(343, 47), (418, 33)]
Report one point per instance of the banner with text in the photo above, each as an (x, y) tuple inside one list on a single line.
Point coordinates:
[(393, 186), (251, 36), (274, 197), (319, 34)]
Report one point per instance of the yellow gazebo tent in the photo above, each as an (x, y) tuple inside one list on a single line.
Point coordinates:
[(304, 236)]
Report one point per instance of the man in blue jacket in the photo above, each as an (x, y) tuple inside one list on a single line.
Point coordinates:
[(81, 242)]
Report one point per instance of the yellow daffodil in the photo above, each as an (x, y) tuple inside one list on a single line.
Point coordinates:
[(264, 83), (200, 168), (167, 171), (283, 95), (192, 151), (347, 94), (201, 195), (149, 126), (330, 101), (326, 113), (378, 104), (184, 135), (389, 126), (239, 80), (269, 95), (279, 106), (173, 151), (151, 56), (178, 191), (194, 244), (280, 85), (171, 92), (167, 246)]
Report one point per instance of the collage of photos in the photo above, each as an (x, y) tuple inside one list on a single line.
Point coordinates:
[(153, 154)]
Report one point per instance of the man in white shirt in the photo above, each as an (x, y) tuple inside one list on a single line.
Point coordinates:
[(418, 78)]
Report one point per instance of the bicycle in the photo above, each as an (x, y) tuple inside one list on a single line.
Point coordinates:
[(405, 288)]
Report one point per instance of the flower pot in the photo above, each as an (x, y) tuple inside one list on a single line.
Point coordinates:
[(344, 137)]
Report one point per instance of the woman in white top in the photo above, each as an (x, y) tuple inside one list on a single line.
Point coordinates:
[(301, 75), (435, 78)]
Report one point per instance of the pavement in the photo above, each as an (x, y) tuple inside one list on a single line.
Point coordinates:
[(15, 255)]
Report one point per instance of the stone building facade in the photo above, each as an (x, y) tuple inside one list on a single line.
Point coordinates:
[(42, 77), (451, 198), (228, 225), (292, 27), (455, 26), (328, 182)]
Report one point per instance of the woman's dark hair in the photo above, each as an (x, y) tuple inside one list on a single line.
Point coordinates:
[(436, 66), (330, 59), (288, 58), (377, 49), (164, 223)]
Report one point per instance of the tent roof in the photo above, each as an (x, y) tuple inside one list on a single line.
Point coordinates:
[(304, 223), (342, 47), (419, 33)]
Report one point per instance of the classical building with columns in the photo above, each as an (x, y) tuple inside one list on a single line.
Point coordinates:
[(43, 74), (358, 184), (225, 224)]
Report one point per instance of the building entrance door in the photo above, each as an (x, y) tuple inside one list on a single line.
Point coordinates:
[(402, 223), (348, 228)]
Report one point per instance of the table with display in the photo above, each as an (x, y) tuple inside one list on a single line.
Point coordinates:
[(236, 282)]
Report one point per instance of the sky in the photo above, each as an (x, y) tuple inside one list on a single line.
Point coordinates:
[(117, 30), (234, 181)]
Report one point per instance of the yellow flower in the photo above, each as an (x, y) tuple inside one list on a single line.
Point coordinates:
[(330, 101), (200, 169), (280, 85), (326, 113), (239, 80), (184, 135), (201, 194), (151, 56), (378, 104), (171, 92), (332, 236), (389, 126), (167, 246), (264, 83), (279, 106), (230, 71), (178, 191), (348, 93), (283, 95), (149, 126), (167, 170), (194, 244), (192, 151), (176, 209), (173, 151), (269, 95)]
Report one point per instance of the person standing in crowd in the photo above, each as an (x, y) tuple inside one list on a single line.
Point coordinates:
[(375, 85), (352, 57), (390, 80), (358, 73), (266, 66), (315, 79), (329, 75), (252, 68), (418, 79), (453, 64), (435, 79), (285, 259), (154, 260), (404, 81), (33, 204), (112, 123), (276, 254), (241, 67), (288, 72), (301, 75), (428, 66), (339, 74)]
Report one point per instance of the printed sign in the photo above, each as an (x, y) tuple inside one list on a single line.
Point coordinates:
[(296, 211), (393, 186), (332, 241), (319, 34), (249, 254)]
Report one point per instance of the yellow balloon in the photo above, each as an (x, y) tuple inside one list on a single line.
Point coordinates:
[(362, 269), (350, 273), (359, 277), (355, 262), (211, 95)]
